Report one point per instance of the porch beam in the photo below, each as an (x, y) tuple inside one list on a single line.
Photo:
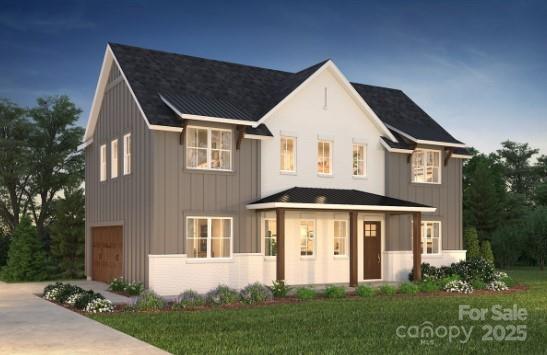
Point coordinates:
[(416, 245), (280, 255), (353, 248)]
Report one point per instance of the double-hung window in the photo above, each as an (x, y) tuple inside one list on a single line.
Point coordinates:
[(127, 154), (359, 159), (307, 238), (340, 237), (270, 237), (208, 237), (426, 166), (209, 148), (102, 158), (431, 237), (287, 154), (114, 159), (324, 157)]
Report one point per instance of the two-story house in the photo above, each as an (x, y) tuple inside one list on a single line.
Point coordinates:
[(201, 172)]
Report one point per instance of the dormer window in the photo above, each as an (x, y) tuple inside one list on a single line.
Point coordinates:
[(209, 148)]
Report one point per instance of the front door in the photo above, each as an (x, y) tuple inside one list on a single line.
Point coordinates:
[(372, 255)]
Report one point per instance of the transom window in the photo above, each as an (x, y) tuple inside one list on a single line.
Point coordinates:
[(359, 159), (324, 157), (431, 237), (209, 148), (340, 237), (270, 237), (426, 166), (307, 238), (288, 154), (102, 159), (208, 237)]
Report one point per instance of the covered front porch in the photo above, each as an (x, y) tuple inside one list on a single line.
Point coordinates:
[(320, 236)]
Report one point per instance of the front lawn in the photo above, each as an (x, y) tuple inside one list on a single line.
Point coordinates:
[(345, 325)]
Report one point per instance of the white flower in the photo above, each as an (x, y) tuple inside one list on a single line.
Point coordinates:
[(99, 305), (497, 286), (499, 275), (72, 299), (458, 286)]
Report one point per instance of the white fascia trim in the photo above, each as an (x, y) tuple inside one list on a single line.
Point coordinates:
[(395, 150), (155, 127), (461, 156), (257, 136), (355, 95), (326, 206), (85, 145), (205, 118), (421, 141)]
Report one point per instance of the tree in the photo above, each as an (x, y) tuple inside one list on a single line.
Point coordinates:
[(536, 229), (471, 243), (56, 163), (15, 169), (486, 251), (4, 247), (540, 194), (27, 260), (67, 234), (507, 244), (519, 174)]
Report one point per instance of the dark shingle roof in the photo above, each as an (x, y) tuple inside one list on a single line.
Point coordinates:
[(219, 89), (335, 197)]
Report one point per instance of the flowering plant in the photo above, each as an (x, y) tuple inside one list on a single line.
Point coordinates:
[(458, 286), (497, 286), (99, 305)]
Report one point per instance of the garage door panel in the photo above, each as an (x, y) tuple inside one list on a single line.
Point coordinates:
[(107, 253)]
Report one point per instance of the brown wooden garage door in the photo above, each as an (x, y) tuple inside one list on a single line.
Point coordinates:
[(107, 252)]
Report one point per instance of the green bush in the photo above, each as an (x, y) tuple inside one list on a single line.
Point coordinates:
[(149, 301), (478, 284), (471, 239), (85, 298), (486, 251), (429, 286), (222, 294), (408, 288), (134, 288), (68, 290), (279, 289), (255, 293), (117, 285), (305, 293), (387, 290), (335, 292), (467, 270), (364, 291), (189, 299), (508, 281)]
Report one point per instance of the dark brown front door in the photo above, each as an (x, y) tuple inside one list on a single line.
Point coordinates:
[(107, 253), (372, 244)]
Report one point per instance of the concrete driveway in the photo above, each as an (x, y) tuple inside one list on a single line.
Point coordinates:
[(31, 325)]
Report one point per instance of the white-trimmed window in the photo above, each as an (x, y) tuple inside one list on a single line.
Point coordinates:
[(307, 238), (287, 154), (102, 158), (340, 237), (209, 148), (114, 159), (209, 237), (324, 157), (270, 237), (431, 237), (359, 157), (426, 166), (127, 154)]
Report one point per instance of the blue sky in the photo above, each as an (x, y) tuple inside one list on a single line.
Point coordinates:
[(478, 67)]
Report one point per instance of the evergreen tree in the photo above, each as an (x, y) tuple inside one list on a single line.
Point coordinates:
[(507, 244), (4, 247), (471, 243), (67, 234), (536, 229), (486, 251), (540, 194), (27, 260), (520, 175)]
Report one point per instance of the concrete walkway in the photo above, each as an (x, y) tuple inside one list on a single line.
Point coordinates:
[(31, 325)]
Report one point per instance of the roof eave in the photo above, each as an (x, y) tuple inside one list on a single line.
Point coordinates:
[(327, 206)]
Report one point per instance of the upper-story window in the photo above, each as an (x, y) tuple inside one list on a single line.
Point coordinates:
[(426, 166), (102, 158), (127, 154), (209, 148), (324, 157), (114, 159), (288, 154), (359, 159)]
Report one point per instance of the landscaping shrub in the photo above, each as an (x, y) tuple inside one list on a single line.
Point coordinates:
[(429, 286), (364, 291), (189, 299), (471, 239), (335, 292), (67, 290), (117, 285), (478, 284), (458, 286), (467, 270), (305, 293), (387, 290), (222, 294), (486, 251), (51, 287), (134, 288), (408, 288), (99, 305), (502, 276), (279, 289), (497, 286), (255, 293), (85, 298), (149, 301)]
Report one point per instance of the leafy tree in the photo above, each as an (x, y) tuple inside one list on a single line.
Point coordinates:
[(27, 260), (486, 251), (4, 247), (56, 163), (540, 194), (507, 244), (471, 239), (515, 208), (520, 175), (536, 229), (15, 169), (67, 234)]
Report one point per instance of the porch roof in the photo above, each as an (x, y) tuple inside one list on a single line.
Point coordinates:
[(336, 199)]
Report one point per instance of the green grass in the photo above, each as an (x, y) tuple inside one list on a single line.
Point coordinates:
[(340, 325)]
